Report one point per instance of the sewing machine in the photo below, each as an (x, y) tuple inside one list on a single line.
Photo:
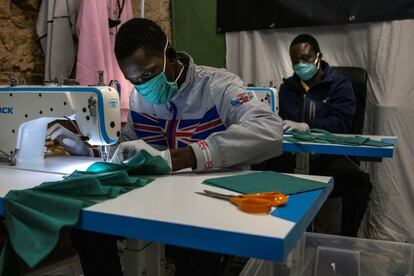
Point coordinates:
[(26, 111), (267, 95)]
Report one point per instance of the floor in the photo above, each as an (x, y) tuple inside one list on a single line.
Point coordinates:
[(72, 267), (69, 266)]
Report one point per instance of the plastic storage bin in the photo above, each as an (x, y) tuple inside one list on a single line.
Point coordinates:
[(325, 255)]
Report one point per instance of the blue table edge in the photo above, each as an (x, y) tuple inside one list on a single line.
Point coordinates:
[(359, 151), (306, 205)]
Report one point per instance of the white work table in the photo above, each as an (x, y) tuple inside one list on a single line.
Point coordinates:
[(168, 211), (61, 164)]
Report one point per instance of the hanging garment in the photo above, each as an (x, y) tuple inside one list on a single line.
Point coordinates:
[(34, 217), (97, 43), (56, 28)]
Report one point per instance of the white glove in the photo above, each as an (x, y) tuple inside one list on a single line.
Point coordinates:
[(128, 149), (289, 126), (67, 139)]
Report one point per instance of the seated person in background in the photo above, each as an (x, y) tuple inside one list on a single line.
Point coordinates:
[(316, 97), (191, 115)]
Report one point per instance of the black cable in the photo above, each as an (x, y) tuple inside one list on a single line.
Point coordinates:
[(120, 7), (144, 247), (74, 125), (139, 249), (8, 156)]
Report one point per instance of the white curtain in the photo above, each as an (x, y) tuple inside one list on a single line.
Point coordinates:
[(386, 51)]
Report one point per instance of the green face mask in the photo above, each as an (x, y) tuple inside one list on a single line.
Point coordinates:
[(306, 71), (159, 90)]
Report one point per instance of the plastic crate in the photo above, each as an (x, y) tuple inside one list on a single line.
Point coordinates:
[(325, 255)]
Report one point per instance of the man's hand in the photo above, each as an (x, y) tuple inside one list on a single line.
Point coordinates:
[(183, 158), (289, 126), (177, 159), (126, 150), (68, 140)]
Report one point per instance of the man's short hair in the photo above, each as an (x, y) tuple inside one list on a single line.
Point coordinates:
[(139, 33), (306, 38)]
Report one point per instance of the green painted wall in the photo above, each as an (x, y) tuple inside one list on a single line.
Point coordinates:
[(194, 31)]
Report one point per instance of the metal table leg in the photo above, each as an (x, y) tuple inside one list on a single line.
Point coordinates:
[(302, 163), (144, 258)]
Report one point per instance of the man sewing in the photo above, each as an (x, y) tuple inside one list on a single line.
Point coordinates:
[(186, 114), (316, 97)]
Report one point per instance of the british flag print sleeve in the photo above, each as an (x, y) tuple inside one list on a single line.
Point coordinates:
[(253, 132)]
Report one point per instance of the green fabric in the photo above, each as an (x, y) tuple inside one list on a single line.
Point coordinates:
[(325, 137), (267, 181), (143, 163), (35, 216), (9, 261)]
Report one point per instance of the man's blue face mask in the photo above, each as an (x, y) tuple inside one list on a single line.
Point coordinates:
[(306, 71), (159, 90)]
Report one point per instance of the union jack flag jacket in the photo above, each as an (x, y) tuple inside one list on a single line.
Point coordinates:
[(223, 123)]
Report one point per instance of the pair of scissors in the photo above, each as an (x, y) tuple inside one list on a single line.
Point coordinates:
[(260, 203)]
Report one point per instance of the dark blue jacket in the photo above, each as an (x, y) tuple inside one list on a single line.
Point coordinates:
[(329, 104)]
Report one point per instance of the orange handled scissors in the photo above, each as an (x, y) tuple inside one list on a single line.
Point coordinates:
[(260, 203)]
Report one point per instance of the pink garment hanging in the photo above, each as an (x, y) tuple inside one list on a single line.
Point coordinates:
[(97, 43)]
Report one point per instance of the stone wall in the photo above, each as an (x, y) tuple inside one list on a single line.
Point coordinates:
[(156, 10), (20, 52)]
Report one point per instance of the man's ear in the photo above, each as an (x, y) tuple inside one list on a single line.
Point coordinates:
[(171, 55)]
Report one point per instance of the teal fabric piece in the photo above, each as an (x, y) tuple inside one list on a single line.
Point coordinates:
[(97, 184), (141, 164), (34, 220), (268, 181), (9, 261), (325, 137), (34, 217)]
